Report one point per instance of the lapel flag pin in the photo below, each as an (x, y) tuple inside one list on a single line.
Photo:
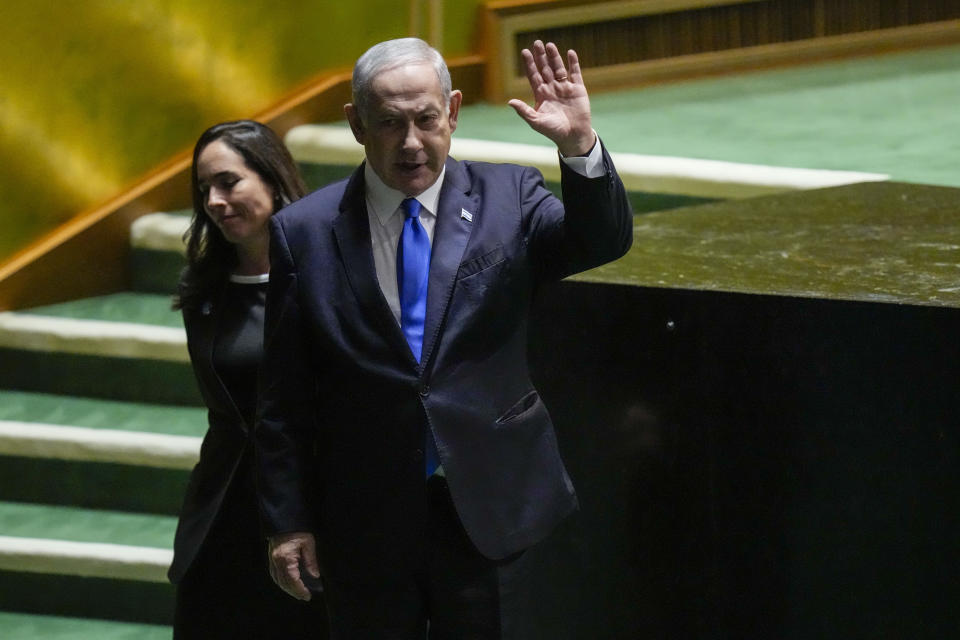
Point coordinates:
[(466, 215)]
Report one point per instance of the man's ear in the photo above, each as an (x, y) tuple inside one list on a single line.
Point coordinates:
[(455, 99), (356, 125)]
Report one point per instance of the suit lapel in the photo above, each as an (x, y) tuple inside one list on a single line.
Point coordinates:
[(449, 241), (352, 231), (208, 321)]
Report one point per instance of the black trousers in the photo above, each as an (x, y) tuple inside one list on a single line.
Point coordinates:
[(228, 593), (456, 593)]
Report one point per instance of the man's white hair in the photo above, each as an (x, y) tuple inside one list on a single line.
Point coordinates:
[(389, 55)]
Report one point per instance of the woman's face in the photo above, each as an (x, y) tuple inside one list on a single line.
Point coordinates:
[(236, 198)]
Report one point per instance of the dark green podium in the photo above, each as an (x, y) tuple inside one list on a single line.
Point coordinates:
[(760, 408)]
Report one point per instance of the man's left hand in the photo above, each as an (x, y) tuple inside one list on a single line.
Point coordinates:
[(287, 552), (562, 110)]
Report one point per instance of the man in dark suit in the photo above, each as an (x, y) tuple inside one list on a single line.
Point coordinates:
[(396, 339)]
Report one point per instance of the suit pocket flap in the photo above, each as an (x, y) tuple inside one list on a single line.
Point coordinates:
[(478, 264), (525, 405)]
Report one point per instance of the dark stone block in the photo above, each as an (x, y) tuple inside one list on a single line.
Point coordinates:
[(782, 462)]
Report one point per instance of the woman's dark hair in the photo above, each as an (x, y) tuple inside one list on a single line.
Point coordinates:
[(210, 257)]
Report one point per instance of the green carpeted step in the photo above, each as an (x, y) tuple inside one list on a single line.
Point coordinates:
[(96, 453), (126, 325), (128, 379), (86, 525), (93, 485), (93, 413), (161, 231), (127, 346), (72, 561), (157, 251), (82, 597), (127, 307), (26, 626)]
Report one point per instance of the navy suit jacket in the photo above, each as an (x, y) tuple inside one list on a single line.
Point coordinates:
[(344, 404)]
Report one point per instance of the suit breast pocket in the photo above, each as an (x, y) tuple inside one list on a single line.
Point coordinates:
[(483, 282), (481, 267)]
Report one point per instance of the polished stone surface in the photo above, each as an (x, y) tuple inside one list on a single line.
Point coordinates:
[(749, 466), (878, 242)]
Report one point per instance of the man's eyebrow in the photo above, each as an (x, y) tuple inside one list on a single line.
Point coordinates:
[(385, 111)]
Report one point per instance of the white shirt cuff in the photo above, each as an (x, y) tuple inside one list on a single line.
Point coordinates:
[(590, 165)]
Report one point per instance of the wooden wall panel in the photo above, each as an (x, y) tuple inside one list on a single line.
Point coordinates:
[(620, 42)]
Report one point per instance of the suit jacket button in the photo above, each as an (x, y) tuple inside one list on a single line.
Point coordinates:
[(424, 391), (418, 455)]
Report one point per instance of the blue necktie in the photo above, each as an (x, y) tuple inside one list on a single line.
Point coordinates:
[(413, 271)]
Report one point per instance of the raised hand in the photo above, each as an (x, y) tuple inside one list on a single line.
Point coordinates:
[(562, 107)]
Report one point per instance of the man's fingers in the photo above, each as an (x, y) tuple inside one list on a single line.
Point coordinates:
[(555, 62), (286, 553), (309, 556), (292, 583), (524, 110), (533, 75), (542, 61), (287, 574), (573, 61)]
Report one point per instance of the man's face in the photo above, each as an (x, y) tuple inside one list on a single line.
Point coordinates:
[(406, 133)]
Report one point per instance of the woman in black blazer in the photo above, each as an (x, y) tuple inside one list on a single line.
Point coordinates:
[(242, 174)]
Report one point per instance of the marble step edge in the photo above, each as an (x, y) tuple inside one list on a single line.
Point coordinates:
[(85, 559), (160, 231), (32, 332), (325, 144), (83, 444), (328, 144)]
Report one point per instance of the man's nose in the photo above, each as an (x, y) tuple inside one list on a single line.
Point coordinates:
[(411, 140)]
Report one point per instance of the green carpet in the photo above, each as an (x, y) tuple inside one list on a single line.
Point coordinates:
[(75, 411), (128, 379), (86, 525), (24, 626), (139, 308), (894, 114)]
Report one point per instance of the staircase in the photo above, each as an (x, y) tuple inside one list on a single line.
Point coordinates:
[(100, 423)]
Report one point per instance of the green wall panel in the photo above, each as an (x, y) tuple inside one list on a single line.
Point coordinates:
[(97, 92)]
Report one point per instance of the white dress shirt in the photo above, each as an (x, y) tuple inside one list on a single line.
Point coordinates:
[(386, 218)]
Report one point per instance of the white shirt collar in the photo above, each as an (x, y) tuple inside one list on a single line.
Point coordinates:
[(254, 279), (385, 200)]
